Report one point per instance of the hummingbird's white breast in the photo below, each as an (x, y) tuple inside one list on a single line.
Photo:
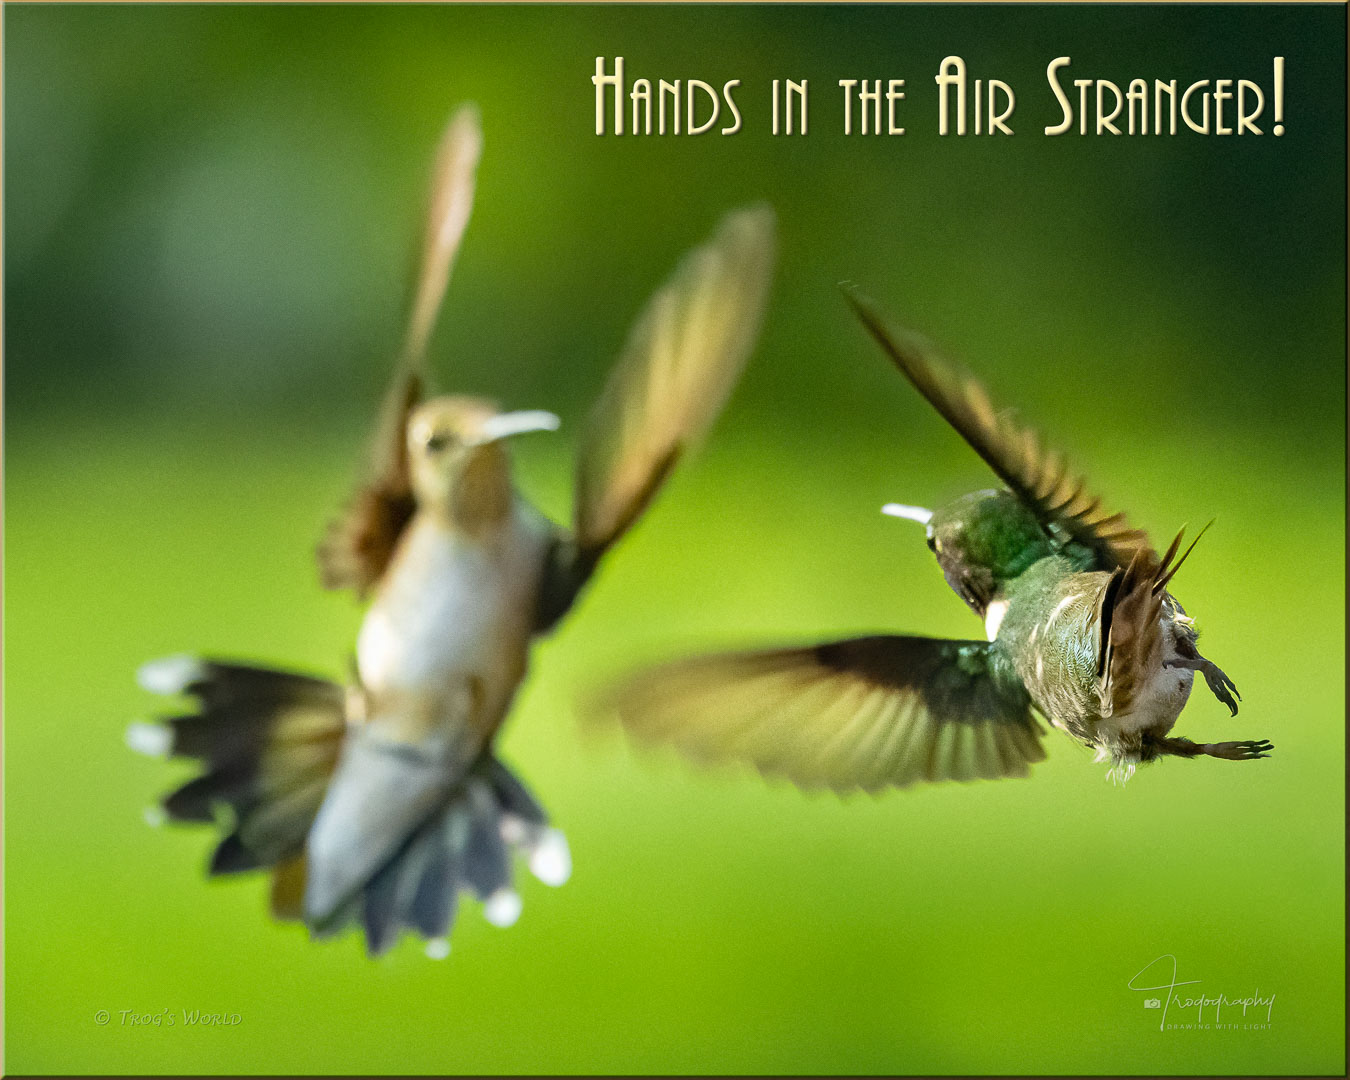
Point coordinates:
[(451, 623), (1164, 692)]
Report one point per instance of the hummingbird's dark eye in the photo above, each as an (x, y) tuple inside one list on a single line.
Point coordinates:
[(932, 543), (437, 441)]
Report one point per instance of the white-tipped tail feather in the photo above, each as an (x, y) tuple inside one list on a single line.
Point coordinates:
[(515, 830), (545, 849), (170, 674), (502, 908), (551, 859), (437, 948), (153, 740)]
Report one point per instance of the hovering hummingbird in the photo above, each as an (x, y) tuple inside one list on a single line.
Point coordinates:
[(380, 801), (1080, 628)]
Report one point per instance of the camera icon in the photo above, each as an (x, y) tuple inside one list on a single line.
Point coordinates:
[(1152, 1003)]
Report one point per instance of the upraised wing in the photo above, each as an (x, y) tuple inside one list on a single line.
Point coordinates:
[(360, 542), (1038, 477), (682, 359), (864, 713)]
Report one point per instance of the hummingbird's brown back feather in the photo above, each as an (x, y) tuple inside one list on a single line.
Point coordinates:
[(1130, 613), (360, 542), (683, 356), (859, 714), (1041, 479)]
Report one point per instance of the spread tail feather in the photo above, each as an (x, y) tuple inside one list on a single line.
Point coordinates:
[(464, 844), (268, 742), (353, 830)]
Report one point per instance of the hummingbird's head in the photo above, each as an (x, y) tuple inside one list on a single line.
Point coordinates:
[(456, 458), (981, 541)]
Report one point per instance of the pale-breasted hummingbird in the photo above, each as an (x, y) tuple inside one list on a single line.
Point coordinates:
[(381, 800)]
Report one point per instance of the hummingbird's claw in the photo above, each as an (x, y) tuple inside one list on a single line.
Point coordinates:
[(1240, 751), (1220, 685)]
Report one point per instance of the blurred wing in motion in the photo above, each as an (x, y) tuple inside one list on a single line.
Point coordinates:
[(1039, 478), (682, 359), (864, 713), (447, 217), (360, 542)]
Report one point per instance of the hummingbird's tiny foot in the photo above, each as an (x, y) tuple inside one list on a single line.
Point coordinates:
[(1240, 751), (551, 859), (153, 740), (1220, 685), (502, 908), (437, 948)]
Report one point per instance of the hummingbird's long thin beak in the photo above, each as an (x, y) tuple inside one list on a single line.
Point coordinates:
[(911, 513), (516, 423)]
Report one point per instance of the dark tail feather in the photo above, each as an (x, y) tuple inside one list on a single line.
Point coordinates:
[(1164, 575), (465, 845), (268, 742)]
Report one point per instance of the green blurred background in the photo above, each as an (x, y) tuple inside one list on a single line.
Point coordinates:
[(210, 217)]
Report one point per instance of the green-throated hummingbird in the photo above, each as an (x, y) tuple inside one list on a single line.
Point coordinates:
[(380, 801), (1079, 622)]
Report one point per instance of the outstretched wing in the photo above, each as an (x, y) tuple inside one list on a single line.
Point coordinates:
[(1038, 477), (864, 713), (682, 359), (360, 542), (447, 217)]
